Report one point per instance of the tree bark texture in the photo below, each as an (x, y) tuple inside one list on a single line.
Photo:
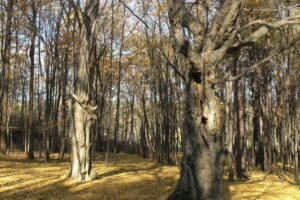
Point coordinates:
[(229, 129), (81, 108), (30, 154), (240, 123), (201, 168), (5, 78)]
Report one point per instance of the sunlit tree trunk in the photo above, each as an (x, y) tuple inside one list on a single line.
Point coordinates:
[(82, 109), (229, 128)]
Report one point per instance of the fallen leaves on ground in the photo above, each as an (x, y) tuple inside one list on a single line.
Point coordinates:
[(133, 178), (261, 186)]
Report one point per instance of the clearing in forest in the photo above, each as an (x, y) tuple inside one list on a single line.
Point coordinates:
[(133, 178)]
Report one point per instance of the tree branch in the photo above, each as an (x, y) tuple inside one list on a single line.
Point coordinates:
[(133, 13), (259, 64), (275, 10), (178, 10), (288, 20), (224, 24), (180, 17), (253, 37), (172, 66)]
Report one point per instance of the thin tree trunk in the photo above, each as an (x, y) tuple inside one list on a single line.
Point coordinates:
[(240, 124), (110, 81), (229, 129), (296, 130), (117, 121), (30, 154), (64, 106), (265, 112), (6, 77)]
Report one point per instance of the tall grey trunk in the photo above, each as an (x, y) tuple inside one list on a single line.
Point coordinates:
[(81, 109)]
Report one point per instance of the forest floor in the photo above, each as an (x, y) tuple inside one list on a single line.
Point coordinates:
[(133, 178)]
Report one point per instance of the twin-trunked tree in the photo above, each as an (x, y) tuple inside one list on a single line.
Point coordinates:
[(211, 43)]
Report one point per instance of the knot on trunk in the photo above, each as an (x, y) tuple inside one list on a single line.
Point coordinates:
[(85, 104)]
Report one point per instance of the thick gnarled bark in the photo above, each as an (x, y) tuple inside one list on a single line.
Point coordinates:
[(201, 168), (82, 111)]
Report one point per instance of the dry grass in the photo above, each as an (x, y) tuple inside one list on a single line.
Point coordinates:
[(133, 178)]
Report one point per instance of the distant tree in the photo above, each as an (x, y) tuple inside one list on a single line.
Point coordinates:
[(5, 57), (30, 129)]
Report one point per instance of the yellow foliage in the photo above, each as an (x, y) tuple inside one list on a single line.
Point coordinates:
[(257, 3)]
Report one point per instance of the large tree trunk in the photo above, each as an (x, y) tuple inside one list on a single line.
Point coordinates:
[(81, 109), (201, 168), (211, 43)]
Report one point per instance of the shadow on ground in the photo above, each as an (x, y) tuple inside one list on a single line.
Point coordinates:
[(133, 178)]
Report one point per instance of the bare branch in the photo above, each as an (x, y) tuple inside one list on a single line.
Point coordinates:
[(133, 13), (224, 24), (258, 64), (253, 37), (172, 66), (288, 20), (77, 11), (275, 10), (262, 31)]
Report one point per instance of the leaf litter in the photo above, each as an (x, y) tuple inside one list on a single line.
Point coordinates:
[(133, 178)]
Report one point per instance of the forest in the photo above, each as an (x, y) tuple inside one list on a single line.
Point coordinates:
[(150, 99)]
